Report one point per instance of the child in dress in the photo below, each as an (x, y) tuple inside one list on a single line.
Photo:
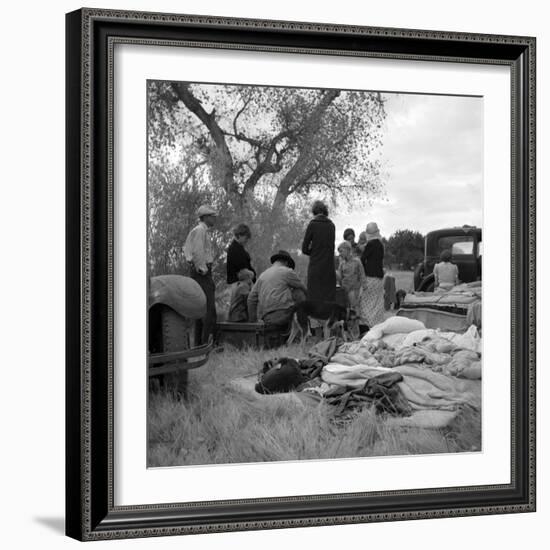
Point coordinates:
[(361, 243), (350, 274)]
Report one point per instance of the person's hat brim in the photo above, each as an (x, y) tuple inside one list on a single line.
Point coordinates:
[(206, 211), (283, 258)]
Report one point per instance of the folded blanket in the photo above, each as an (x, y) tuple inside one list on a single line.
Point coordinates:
[(350, 376), (464, 364), (426, 389), (360, 358), (468, 340)]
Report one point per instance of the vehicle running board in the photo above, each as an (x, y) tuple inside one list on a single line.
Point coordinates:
[(185, 359)]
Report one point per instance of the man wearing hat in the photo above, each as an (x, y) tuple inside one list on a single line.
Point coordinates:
[(276, 291), (199, 255)]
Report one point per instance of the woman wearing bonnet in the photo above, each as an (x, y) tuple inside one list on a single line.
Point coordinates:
[(372, 296)]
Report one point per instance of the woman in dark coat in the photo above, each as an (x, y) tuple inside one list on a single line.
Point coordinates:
[(319, 246)]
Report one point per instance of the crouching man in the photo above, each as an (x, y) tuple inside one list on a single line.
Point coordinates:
[(275, 292)]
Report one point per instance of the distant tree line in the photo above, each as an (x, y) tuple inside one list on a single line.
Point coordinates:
[(404, 249)]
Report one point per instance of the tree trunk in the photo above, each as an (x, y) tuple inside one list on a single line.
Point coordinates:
[(183, 93), (279, 202), (300, 166)]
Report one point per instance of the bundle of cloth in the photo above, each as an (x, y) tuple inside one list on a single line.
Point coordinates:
[(473, 289), (401, 341), (399, 367), (423, 387), (439, 371), (464, 299)]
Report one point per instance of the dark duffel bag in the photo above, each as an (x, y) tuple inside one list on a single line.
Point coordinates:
[(280, 375)]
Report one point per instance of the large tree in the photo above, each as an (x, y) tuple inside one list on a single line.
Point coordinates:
[(256, 153), (268, 141)]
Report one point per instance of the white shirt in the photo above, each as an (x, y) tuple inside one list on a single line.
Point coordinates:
[(198, 248), (446, 274)]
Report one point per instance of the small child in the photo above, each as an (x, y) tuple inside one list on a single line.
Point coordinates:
[(238, 310), (350, 274), (445, 273), (361, 243)]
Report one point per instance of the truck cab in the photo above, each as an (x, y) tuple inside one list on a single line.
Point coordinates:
[(465, 245)]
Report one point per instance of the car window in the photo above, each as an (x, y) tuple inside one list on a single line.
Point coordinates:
[(462, 248), (459, 245)]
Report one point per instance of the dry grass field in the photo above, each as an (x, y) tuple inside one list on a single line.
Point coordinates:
[(218, 424), (403, 279)]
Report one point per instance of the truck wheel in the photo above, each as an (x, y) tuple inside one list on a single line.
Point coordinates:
[(173, 333), (418, 275), (427, 284)]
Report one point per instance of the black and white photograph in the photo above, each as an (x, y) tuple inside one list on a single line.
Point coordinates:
[(244, 248), (277, 233), (314, 274)]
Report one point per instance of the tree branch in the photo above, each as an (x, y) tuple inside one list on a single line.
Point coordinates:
[(192, 171), (239, 113), (246, 139), (266, 166), (184, 94), (311, 127)]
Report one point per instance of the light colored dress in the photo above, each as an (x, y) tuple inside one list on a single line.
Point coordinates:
[(447, 274), (351, 275), (371, 310)]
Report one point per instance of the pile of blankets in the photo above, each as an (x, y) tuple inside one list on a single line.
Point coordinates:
[(399, 367)]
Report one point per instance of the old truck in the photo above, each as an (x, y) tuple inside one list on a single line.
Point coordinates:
[(465, 246), (458, 308), (175, 303)]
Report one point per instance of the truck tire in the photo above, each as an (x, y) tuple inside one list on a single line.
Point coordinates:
[(427, 284), (418, 275), (171, 332)]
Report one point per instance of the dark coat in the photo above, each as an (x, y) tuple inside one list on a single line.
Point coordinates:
[(373, 259), (319, 246), (237, 258)]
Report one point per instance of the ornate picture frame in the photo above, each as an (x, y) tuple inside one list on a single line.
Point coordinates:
[(91, 512)]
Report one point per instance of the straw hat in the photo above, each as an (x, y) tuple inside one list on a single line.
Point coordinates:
[(372, 231), (206, 210)]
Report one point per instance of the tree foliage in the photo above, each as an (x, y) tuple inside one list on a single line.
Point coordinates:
[(258, 154), (172, 215), (405, 248)]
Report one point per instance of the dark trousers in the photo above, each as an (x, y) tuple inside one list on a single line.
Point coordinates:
[(282, 317), (207, 325), (279, 317)]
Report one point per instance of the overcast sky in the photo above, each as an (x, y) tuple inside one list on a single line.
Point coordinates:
[(433, 166)]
